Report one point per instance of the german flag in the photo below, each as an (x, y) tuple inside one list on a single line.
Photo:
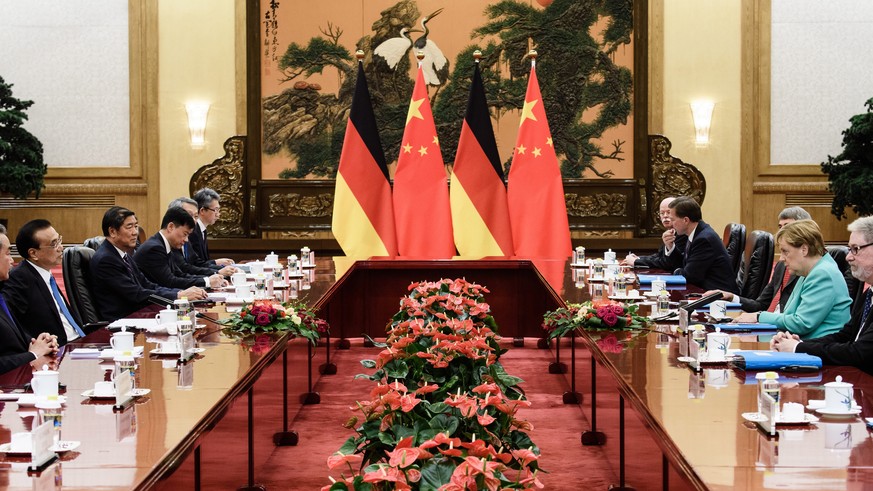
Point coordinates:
[(363, 212), (480, 215)]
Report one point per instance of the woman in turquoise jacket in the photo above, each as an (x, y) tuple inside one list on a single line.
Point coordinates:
[(819, 304)]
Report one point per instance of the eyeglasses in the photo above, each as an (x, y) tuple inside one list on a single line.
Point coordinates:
[(55, 243), (854, 250), (217, 209)]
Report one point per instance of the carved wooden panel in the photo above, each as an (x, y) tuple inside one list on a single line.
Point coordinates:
[(671, 176), (226, 175)]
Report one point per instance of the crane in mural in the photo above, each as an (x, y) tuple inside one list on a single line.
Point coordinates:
[(434, 60)]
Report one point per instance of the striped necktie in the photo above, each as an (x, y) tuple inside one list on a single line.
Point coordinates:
[(63, 306), (867, 302), (778, 294)]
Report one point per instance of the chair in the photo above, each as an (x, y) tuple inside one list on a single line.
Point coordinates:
[(757, 263), (77, 282), (94, 242), (734, 238), (839, 253)]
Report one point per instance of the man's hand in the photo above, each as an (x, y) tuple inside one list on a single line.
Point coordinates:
[(227, 271), (224, 261), (629, 260), (43, 346), (724, 295), (217, 281), (746, 317), (785, 342), (193, 293), (669, 238)]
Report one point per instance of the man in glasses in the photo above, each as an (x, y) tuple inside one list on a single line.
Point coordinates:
[(208, 212), (32, 292), (852, 345), (671, 241)]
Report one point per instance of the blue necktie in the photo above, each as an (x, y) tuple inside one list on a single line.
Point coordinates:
[(185, 251), (6, 309), (57, 294)]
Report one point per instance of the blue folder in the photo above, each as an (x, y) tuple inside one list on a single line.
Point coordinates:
[(752, 360), (670, 279), (746, 327), (799, 378)]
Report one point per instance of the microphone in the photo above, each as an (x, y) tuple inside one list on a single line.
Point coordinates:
[(159, 300), (209, 318)]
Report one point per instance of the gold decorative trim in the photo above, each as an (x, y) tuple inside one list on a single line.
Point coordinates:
[(598, 234), (596, 205), (58, 202), (790, 187), (656, 66), (225, 176), (299, 205), (141, 189), (671, 176)]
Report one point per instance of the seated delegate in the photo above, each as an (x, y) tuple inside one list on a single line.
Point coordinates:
[(819, 304)]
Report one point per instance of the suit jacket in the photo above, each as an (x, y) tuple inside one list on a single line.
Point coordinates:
[(819, 304), (706, 262), (13, 345), (766, 296), (33, 304), (188, 265), (841, 348), (200, 248), (660, 260), (159, 266), (116, 293)]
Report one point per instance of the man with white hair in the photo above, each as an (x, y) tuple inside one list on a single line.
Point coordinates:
[(660, 259), (853, 344)]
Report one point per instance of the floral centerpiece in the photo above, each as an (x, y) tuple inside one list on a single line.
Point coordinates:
[(593, 316), (444, 413), (268, 315)]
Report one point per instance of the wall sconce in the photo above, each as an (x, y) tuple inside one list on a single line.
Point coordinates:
[(197, 112), (701, 111)]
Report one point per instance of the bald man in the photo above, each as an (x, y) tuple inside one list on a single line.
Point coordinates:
[(660, 259)]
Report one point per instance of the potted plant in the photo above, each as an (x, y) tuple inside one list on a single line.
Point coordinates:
[(21, 161), (851, 171)]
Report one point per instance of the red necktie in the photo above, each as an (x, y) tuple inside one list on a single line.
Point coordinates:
[(778, 294)]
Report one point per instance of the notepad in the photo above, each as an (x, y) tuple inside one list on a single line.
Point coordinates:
[(774, 360), (670, 279)]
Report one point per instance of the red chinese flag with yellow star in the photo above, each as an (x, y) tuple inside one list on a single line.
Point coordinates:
[(537, 210), (480, 216), (363, 216), (421, 194)]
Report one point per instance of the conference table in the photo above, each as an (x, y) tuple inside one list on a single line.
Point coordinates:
[(661, 425)]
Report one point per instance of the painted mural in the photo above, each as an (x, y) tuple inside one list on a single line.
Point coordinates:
[(308, 66)]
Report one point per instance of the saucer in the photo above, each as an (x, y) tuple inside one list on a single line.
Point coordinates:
[(59, 447), (758, 417), (134, 393), (627, 297), (161, 352), (652, 294), (814, 404), (28, 400), (838, 413), (109, 353)]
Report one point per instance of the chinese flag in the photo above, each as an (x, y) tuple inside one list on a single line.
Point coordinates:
[(480, 215), (421, 194), (537, 209), (363, 215)]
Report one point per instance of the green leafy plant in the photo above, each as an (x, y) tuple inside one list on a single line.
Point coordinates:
[(270, 316), (443, 414), (21, 160), (593, 316), (851, 172)]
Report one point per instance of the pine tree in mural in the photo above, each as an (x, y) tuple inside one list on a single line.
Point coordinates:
[(851, 172), (21, 163), (575, 69)]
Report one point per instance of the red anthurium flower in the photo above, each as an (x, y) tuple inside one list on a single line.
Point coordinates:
[(485, 419), (403, 457), (388, 474), (339, 460), (525, 456), (408, 402), (426, 389), (489, 387)]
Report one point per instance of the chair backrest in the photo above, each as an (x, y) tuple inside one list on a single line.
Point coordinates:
[(77, 282), (734, 238), (757, 263), (94, 242), (839, 253)]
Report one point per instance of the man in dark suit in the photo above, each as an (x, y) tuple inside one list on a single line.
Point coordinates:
[(660, 259), (155, 258), (32, 292), (706, 262), (185, 257), (775, 295), (120, 288), (208, 212), (16, 347), (853, 344)]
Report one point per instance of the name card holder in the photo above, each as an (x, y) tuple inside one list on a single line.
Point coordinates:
[(123, 391), (770, 409), (187, 344), (42, 456), (693, 352)]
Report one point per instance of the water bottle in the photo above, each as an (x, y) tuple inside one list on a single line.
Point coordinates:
[(663, 302), (770, 386)]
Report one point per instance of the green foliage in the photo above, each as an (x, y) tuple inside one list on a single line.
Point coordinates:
[(21, 161), (851, 172)]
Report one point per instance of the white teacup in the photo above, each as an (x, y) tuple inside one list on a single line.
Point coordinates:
[(256, 267), (45, 382), (717, 345), (22, 442), (104, 389), (166, 316), (242, 291), (170, 346), (609, 256), (123, 340), (238, 279), (717, 377), (272, 259), (792, 411), (839, 395), (718, 309)]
